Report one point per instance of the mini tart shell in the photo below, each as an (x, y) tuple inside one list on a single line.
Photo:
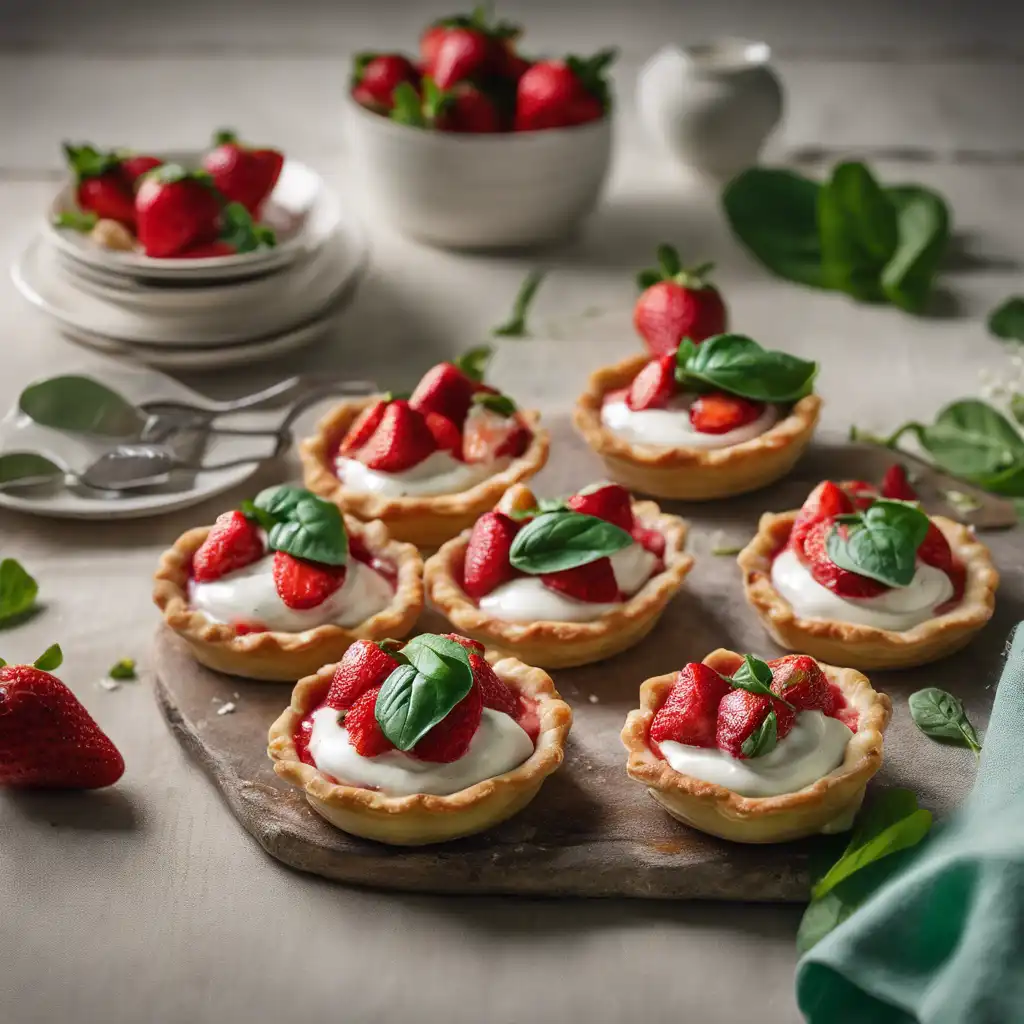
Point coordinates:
[(277, 656), (868, 647), (426, 521), (828, 805), (691, 474), (424, 818), (561, 644)]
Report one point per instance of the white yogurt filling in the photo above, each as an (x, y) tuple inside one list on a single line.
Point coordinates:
[(527, 599), (438, 473), (671, 426), (809, 751), (250, 595), (499, 745), (897, 609)]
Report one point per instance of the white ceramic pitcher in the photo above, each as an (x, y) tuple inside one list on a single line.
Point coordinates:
[(712, 106)]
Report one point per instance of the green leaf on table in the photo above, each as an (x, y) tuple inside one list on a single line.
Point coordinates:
[(18, 590), (763, 739), (50, 660), (1007, 320), (940, 715), (314, 530), (515, 326), (923, 229), (820, 917), (122, 669), (27, 469), (880, 542), (81, 405), (556, 541)]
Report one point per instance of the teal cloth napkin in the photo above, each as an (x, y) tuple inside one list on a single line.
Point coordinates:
[(942, 940)]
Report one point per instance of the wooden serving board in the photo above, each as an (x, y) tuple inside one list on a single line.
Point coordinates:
[(591, 831)]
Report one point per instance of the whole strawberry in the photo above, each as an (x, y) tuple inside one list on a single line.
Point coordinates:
[(676, 304), (243, 174), (375, 76), (176, 209), (47, 739), (563, 93), (101, 185)]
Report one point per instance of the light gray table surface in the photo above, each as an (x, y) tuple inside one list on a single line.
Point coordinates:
[(148, 903)]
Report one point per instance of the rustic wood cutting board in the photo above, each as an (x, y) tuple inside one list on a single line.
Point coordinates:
[(591, 831)]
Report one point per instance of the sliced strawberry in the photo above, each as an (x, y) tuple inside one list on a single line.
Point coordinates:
[(935, 550), (828, 574), (364, 665), (361, 725), (594, 582), (232, 543), (474, 646), (496, 695), (446, 434), (824, 502), (741, 712), (450, 738), (444, 389), (860, 492), (488, 435), (718, 413), (896, 484), (652, 540), (302, 584), (799, 679), (690, 712), (363, 428), (402, 440), (610, 502), (654, 385), (487, 553)]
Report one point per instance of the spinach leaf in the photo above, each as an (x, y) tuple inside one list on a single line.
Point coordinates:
[(880, 542), (564, 540), (923, 230), (81, 405), (280, 502), (940, 715), (18, 590), (763, 739), (1007, 321)]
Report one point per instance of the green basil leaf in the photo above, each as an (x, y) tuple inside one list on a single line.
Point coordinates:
[(740, 366), (763, 739), (556, 541), (923, 232), (515, 326), (315, 530), (753, 675), (881, 542), (857, 225), (474, 362), (1007, 320), (970, 437), (18, 590), (50, 660), (280, 502), (940, 715), (81, 405), (774, 215), (123, 669), (82, 221), (265, 520), (542, 506), (407, 108), (500, 404), (27, 469)]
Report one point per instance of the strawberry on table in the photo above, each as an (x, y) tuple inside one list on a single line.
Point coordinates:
[(563, 93), (654, 386), (799, 679), (690, 712), (232, 543), (594, 582), (610, 502), (401, 440), (375, 76), (47, 738), (176, 209), (364, 665), (487, 563), (718, 413), (302, 584), (677, 303), (741, 712), (450, 738), (361, 725), (243, 174)]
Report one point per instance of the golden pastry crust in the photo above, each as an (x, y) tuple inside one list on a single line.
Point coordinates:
[(424, 818), (561, 644), (827, 805), (691, 474), (868, 647), (426, 521), (277, 656)]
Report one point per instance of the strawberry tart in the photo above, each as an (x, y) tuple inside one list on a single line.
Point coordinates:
[(278, 587), (420, 742), (706, 420), (563, 582), (863, 579), (755, 751), (429, 465)]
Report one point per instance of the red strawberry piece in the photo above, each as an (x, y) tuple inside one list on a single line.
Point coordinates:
[(462, 53), (861, 493), (718, 413), (206, 251), (246, 628), (799, 679), (935, 550), (402, 440), (241, 173), (302, 584), (654, 385), (677, 303), (176, 209), (47, 739), (690, 712), (486, 563), (562, 93), (474, 646), (824, 502), (488, 435), (896, 484), (376, 76), (446, 434), (450, 738), (496, 695), (741, 712), (468, 110), (593, 582), (652, 540), (108, 197), (430, 42), (828, 574), (363, 428), (444, 389), (365, 98), (232, 543), (136, 165), (361, 725), (610, 502), (364, 665)]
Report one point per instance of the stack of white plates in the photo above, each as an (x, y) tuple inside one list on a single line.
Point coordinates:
[(194, 314)]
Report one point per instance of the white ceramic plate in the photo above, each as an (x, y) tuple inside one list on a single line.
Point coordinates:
[(301, 209)]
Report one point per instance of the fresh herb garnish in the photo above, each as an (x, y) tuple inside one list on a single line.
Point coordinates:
[(52, 658), (407, 107), (1007, 321), (300, 524), (473, 363), (500, 404), (515, 326), (76, 220), (740, 366), (544, 505), (880, 542), (122, 669), (763, 739), (241, 232), (18, 590), (434, 676), (754, 676), (941, 716), (556, 541)]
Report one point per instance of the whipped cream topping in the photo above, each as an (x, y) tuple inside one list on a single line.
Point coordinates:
[(499, 745), (671, 427), (438, 473), (250, 595), (809, 751), (897, 609), (527, 599)]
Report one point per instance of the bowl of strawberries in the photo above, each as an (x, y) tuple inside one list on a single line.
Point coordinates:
[(473, 145)]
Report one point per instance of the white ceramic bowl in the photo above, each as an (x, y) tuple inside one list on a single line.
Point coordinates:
[(478, 191)]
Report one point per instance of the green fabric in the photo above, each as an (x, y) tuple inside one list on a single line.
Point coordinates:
[(942, 940)]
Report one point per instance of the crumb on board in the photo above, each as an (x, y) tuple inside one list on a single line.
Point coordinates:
[(226, 708), (109, 685), (593, 698)]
